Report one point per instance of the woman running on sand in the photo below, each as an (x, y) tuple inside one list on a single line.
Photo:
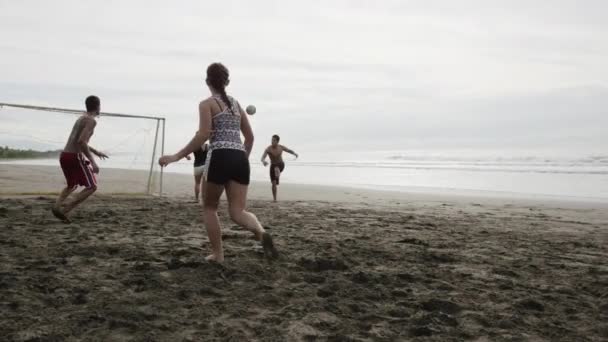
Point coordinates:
[(222, 120)]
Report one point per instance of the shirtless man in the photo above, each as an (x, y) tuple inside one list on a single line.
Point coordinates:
[(77, 163), (275, 152)]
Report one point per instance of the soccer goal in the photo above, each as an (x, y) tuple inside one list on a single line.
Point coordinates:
[(32, 137)]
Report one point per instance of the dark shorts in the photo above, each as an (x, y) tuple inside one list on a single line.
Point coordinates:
[(228, 165), (273, 176), (77, 170)]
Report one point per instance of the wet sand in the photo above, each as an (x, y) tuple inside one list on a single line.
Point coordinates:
[(131, 268)]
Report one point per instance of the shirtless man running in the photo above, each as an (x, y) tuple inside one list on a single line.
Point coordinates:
[(275, 152), (77, 163)]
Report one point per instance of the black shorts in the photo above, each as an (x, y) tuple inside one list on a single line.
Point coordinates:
[(281, 167), (228, 165)]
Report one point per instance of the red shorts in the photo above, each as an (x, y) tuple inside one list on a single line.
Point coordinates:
[(77, 171)]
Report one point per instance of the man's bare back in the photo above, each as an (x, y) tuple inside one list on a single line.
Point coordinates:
[(73, 145)]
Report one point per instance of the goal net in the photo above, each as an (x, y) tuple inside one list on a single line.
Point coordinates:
[(31, 139)]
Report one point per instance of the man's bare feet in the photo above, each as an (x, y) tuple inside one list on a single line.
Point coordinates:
[(60, 215), (269, 250)]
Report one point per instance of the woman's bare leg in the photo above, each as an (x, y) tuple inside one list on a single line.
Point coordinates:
[(213, 192), (203, 183), (237, 200)]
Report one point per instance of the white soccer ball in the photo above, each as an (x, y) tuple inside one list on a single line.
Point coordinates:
[(250, 109)]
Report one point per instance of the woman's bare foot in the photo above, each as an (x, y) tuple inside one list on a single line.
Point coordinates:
[(259, 234), (213, 258), (269, 250)]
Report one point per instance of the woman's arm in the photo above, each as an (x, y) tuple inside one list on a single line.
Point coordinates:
[(204, 130), (264, 157)]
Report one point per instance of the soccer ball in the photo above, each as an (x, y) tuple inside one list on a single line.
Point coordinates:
[(250, 109)]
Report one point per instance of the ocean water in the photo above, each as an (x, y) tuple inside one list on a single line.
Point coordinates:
[(520, 174)]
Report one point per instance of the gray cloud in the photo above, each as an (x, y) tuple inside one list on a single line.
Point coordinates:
[(354, 74)]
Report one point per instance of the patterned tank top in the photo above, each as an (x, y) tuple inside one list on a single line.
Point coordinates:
[(226, 127)]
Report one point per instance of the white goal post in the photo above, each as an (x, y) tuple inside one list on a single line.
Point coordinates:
[(160, 125)]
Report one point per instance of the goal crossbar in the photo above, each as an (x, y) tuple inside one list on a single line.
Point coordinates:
[(119, 115), (75, 111)]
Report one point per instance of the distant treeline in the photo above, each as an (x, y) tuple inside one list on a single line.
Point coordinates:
[(11, 153)]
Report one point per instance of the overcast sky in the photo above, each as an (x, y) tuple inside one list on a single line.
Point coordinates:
[(327, 74)]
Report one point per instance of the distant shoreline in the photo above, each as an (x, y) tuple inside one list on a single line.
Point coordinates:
[(296, 178), (8, 153), (35, 179), (50, 156)]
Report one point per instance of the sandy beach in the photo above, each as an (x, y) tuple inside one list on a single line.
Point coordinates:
[(355, 265)]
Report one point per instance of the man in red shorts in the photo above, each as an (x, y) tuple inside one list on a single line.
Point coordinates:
[(77, 161)]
